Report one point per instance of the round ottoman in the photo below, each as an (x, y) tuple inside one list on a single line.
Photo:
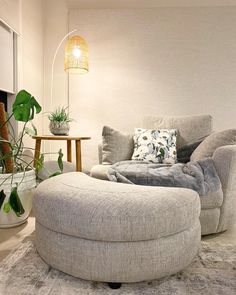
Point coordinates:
[(113, 232)]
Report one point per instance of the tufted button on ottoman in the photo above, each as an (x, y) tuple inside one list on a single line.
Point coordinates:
[(112, 232)]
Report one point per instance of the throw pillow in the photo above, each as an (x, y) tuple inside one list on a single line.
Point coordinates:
[(184, 153), (212, 142), (156, 146), (116, 146)]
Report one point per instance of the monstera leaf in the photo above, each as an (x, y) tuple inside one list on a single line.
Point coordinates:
[(39, 163), (59, 160), (25, 106), (15, 202), (2, 198), (60, 164)]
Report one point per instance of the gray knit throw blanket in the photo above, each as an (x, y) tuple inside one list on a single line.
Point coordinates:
[(200, 176)]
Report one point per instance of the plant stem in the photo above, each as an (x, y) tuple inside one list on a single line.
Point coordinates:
[(6, 149)]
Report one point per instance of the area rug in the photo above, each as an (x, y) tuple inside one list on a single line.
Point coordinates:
[(213, 272)]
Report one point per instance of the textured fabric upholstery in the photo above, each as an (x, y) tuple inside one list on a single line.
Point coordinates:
[(218, 210), (212, 200), (209, 219), (112, 232), (111, 211), (212, 142), (222, 207), (100, 171), (118, 261), (191, 128), (100, 153), (50, 167), (116, 146), (225, 163)]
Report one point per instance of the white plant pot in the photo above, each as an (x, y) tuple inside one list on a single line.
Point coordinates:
[(59, 128), (25, 192)]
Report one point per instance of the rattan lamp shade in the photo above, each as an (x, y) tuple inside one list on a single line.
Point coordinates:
[(76, 55)]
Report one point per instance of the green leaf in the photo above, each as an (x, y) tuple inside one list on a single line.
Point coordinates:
[(60, 115), (162, 152), (55, 174), (24, 106), (59, 160), (39, 163), (15, 202), (6, 207), (2, 198)]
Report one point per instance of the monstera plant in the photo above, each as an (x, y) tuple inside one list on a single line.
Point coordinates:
[(18, 170)]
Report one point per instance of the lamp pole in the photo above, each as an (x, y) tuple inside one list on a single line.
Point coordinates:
[(52, 68), (53, 62)]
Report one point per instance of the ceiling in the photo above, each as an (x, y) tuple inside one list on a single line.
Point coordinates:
[(147, 3)]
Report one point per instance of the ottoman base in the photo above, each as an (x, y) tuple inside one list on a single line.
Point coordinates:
[(118, 261)]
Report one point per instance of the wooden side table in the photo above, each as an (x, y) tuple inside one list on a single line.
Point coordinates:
[(68, 139)]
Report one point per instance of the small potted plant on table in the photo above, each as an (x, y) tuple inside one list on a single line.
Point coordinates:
[(59, 121)]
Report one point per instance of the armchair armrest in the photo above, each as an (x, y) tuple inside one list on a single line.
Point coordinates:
[(100, 153), (225, 163)]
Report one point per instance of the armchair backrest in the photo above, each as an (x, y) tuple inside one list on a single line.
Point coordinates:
[(190, 128)]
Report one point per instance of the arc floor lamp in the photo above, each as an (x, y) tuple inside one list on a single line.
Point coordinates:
[(75, 60)]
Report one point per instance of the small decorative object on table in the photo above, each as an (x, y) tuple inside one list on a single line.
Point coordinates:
[(59, 121)]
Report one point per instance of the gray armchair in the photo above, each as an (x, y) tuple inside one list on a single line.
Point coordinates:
[(218, 210)]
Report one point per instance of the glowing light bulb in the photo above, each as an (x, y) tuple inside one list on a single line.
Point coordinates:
[(76, 52)]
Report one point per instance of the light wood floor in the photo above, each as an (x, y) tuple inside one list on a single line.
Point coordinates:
[(10, 238)]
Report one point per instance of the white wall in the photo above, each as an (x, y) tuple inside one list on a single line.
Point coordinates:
[(10, 13), (41, 25), (55, 28), (30, 54), (164, 61)]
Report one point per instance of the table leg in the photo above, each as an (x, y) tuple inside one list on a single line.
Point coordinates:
[(37, 151), (69, 158), (78, 155)]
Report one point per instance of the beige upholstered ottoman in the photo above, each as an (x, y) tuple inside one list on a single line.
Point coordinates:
[(104, 231)]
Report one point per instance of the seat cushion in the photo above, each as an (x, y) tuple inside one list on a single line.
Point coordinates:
[(78, 205)]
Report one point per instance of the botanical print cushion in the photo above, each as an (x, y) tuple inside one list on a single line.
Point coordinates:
[(156, 146)]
